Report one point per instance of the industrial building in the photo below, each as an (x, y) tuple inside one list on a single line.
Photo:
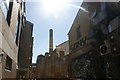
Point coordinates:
[(54, 64), (25, 50), (51, 66), (94, 41)]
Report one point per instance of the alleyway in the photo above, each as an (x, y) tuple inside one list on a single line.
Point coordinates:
[(91, 50)]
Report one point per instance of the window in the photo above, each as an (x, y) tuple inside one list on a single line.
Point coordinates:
[(21, 5), (17, 28), (9, 13), (94, 14), (110, 28), (71, 48), (1, 56), (8, 63), (62, 53), (78, 32)]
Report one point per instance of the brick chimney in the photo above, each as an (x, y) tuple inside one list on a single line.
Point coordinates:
[(50, 40)]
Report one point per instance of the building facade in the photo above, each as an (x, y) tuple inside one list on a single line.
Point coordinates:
[(33, 71), (25, 50), (62, 48), (92, 55), (51, 66), (11, 21), (40, 66)]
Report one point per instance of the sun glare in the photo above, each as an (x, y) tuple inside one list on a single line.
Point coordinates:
[(53, 5)]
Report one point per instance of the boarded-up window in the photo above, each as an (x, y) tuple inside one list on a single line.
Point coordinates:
[(8, 63), (78, 32)]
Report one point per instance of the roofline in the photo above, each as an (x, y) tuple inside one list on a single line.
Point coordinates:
[(63, 43)]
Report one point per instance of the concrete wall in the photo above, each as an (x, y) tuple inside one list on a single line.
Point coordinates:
[(8, 45)]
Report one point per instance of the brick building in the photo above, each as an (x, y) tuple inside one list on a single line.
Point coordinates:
[(25, 50), (92, 54), (51, 66)]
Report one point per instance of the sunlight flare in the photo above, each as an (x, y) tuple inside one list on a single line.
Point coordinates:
[(53, 5)]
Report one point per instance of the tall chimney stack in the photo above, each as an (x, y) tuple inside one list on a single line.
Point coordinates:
[(50, 40)]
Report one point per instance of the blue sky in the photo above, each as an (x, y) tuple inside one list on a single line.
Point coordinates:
[(59, 21)]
